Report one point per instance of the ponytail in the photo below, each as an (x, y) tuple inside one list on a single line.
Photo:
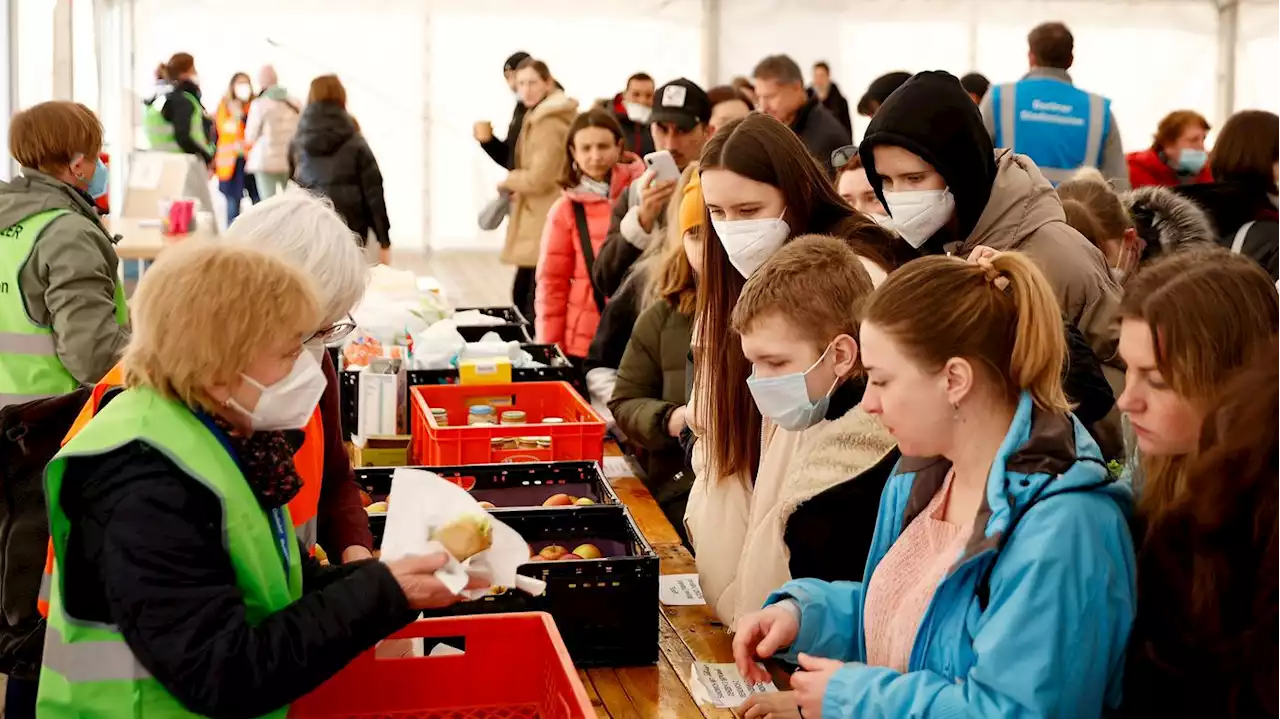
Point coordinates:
[(1001, 315), (1039, 347)]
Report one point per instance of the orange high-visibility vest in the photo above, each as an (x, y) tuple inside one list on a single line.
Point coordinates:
[(308, 461)]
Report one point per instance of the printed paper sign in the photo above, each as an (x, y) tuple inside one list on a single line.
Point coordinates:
[(145, 173), (722, 686), (680, 590), (615, 467)]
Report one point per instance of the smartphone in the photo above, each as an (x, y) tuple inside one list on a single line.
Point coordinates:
[(663, 166)]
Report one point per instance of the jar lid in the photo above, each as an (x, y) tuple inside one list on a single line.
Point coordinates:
[(552, 420), (513, 414), (481, 409)]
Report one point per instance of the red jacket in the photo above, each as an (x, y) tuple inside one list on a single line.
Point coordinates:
[(565, 306), (1149, 168)]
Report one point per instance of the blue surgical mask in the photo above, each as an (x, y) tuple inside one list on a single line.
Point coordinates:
[(785, 399), (1191, 162), (98, 183)]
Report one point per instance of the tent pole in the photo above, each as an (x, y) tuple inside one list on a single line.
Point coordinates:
[(710, 42), (1228, 36), (63, 73)]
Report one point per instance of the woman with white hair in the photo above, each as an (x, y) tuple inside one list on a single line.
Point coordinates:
[(305, 230)]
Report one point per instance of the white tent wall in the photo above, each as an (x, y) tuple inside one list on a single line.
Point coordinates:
[(419, 73)]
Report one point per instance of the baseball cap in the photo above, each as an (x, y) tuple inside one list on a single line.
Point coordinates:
[(681, 103), (513, 61)]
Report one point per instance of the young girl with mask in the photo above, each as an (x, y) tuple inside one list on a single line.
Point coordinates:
[(597, 171), (1201, 647), (932, 164), (824, 460), (229, 157), (1000, 581), (762, 188)]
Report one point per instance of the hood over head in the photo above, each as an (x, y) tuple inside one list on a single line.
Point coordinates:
[(1021, 201), (1167, 221), (323, 128), (932, 116)]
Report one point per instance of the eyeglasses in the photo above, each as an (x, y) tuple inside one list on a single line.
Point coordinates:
[(843, 156), (336, 331)]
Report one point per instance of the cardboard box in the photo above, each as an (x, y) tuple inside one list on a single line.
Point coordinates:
[(386, 451), (492, 370)]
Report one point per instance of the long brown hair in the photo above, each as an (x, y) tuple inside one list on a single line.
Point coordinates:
[(328, 88), (1207, 571), (595, 117), (1247, 149), (1208, 310), (760, 148), (1005, 320), (1093, 209)]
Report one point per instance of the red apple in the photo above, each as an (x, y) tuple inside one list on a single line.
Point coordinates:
[(486, 505), (553, 552), (558, 500), (570, 556), (588, 551), (536, 558), (365, 499)]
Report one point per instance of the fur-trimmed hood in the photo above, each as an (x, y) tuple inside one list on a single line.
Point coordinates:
[(1166, 220)]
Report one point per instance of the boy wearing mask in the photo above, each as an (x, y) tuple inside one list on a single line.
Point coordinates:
[(824, 460)]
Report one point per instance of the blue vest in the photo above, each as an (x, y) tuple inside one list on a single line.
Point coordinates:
[(1060, 127)]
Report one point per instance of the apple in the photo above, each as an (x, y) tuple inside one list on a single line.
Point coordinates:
[(584, 501), (553, 552), (570, 556), (486, 505), (588, 551), (376, 508), (365, 499), (558, 500), (537, 558)]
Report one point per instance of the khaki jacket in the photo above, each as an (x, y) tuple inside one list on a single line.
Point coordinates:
[(1024, 214), (539, 164), (738, 529)]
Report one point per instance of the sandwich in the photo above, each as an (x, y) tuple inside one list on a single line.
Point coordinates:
[(465, 536)]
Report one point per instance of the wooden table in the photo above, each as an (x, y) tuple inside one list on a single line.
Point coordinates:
[(685, 634), (142, 240)]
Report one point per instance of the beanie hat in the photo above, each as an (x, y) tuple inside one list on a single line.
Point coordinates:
[(693, 210), (933, 117)]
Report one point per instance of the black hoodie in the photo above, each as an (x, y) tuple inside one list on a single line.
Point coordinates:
[(329, 155), (179, 112), (933, 116)]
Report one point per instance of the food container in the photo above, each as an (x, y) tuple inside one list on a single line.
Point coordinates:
[(526, 485), (514, 329)]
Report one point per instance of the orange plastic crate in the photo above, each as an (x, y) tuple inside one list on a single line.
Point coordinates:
[(514, 667), (580, 436)]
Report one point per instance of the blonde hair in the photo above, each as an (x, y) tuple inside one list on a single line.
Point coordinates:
[(673, 278), (1005, 319), (206, 310), (48, 137), (1209, 309), (650, 269)]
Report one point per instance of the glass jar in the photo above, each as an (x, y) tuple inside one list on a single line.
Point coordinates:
[(480, 414), (513, 416), (441, 416)]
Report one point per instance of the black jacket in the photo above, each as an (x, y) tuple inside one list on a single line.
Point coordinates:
[(503, 152), (147, 554), (837, 106), (1083, 381), (821, 132), (330, 156), (178, 111), (616, 323), (637, 135), (1232, 204)]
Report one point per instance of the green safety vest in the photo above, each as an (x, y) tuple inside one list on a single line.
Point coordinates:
[(29, 365), (160, 131), (88, 669)]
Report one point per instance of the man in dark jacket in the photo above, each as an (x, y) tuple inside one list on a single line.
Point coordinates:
[(329, 155), (780, 94), (633, 108), (879, 90), (828, 93), (503, 152)]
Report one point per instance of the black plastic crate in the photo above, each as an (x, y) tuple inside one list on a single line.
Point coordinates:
[(516, 327), (522, 485), (558, 369), (606, 609)]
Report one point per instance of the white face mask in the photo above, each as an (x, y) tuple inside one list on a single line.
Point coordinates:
[(884, 221), (316, 349), (637, 112), (785, 399), (289, 403), (749, 243), (243, 92), (919, 214)]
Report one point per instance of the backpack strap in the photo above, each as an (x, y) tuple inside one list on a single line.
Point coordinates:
[(1237, 242), (588, 255)]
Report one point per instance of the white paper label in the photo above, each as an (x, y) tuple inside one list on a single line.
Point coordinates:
[(615, 467), (680, 590), (722, 686), (145, 173)]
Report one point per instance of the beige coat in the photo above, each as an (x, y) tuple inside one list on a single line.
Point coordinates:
[(737, 530), (1024, 214), (540, 163)]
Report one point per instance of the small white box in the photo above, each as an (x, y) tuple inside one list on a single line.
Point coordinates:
[(379, 404)]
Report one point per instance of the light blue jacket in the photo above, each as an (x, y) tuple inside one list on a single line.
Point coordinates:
[(1062, 593)]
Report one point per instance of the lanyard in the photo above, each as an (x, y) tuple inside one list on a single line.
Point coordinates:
[(282, 534)]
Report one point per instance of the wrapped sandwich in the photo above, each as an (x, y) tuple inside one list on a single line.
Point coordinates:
[(465, 536)]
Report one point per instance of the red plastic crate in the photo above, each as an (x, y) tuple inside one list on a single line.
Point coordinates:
[(514, 667), (581, 436)]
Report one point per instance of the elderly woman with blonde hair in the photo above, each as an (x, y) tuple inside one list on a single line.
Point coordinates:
[(178, 587), (305, 230)]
